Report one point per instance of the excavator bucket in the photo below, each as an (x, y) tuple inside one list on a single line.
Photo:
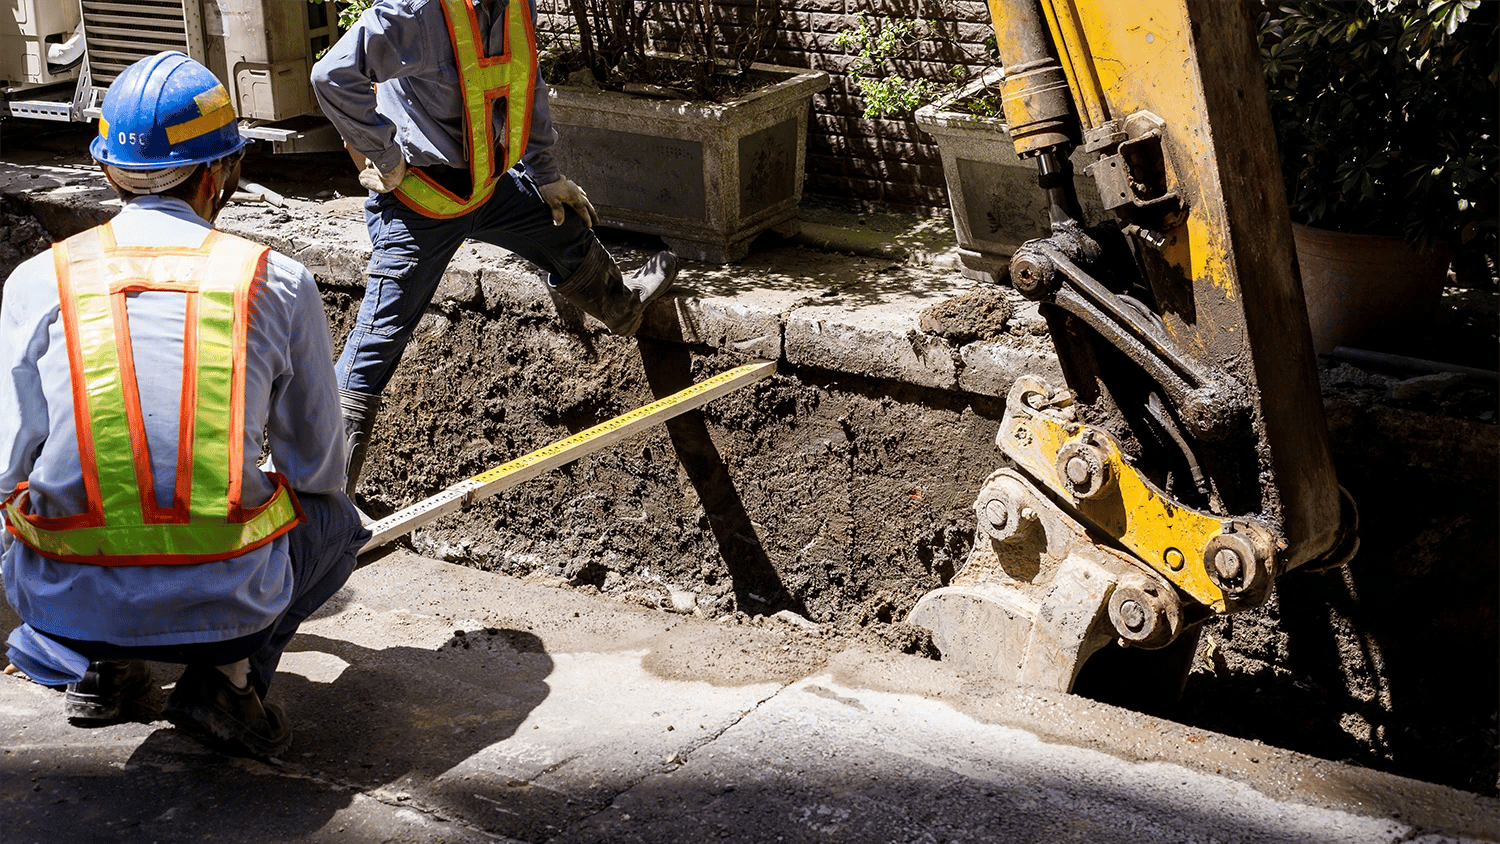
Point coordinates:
[(1185, 463)]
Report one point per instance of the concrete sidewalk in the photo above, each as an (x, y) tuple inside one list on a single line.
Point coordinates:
[(434, 702)]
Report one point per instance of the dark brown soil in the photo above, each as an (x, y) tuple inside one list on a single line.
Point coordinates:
[(843, 500), (21, 236), (840, 500)]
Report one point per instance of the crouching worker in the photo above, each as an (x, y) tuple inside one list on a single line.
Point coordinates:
[(144, 364)]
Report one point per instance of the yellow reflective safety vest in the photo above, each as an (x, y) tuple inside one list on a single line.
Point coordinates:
[(509, 77), (124, 525)]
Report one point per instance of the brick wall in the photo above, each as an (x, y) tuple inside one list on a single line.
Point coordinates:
[(849, 157)]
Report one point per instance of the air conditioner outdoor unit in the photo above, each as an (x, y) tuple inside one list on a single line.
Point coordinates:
[(25, 36), (263, 50)]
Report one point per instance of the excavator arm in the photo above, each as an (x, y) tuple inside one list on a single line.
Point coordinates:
[(1184, 464)]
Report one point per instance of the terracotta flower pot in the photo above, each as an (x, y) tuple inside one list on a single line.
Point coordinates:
[(1358, 286)]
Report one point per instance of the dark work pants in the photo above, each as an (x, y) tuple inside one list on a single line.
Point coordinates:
[(410, 253), (322, 551)]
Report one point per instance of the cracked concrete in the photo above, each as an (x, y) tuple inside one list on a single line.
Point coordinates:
[(434, 702), (842, 489)]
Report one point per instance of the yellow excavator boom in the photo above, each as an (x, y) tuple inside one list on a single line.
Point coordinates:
[(1185, 463)]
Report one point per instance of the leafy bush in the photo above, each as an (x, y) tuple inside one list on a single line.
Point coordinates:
[(693, 49), (349, 10), (1385, 114), (887, 48)]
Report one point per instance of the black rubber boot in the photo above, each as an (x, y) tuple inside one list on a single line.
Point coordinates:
[(104, 690), (207, 706), (359, 411), (599, 290)]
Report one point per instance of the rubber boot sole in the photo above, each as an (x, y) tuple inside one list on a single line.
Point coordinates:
[(91, 709), (223, 733), (673, 264)]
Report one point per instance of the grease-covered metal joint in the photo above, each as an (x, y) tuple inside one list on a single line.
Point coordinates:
[(1001, 510), (1241, 562), (1211, 415), (1033, 274), (1085, 470), (1145, 612)]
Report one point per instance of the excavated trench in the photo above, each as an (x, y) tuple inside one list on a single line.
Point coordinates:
[(842, 499)]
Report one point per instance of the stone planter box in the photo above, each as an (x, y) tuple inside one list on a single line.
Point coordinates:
[(706, 177), (993, 194)]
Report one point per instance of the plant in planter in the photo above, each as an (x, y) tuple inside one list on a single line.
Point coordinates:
[(915, 62), (708, 47), (992, 192), (670, 121), (696, 142), (888, 65), (1385, 115), (1385, 120)]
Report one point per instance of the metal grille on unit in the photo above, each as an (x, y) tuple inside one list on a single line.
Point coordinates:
[(121, 33)]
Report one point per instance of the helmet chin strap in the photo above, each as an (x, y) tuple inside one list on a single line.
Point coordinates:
[(228, 167)]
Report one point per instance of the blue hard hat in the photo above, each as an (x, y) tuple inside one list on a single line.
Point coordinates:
[(165, 110)]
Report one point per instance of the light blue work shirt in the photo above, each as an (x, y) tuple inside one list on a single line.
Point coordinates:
[(291, 406), (390, 86)]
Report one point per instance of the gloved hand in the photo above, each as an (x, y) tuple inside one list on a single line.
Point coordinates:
[(565, 191), (379, 182)]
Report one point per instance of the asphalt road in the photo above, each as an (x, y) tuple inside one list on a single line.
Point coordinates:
[(433, 702)]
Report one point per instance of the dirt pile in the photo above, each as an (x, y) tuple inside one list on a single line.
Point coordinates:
[(21, 236), (843, 500), (828, 504)]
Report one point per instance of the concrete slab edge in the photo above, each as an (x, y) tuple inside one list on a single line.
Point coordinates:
[(878, 338), (1135, 737)]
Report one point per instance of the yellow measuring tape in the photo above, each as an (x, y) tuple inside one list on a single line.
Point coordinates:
[(465, 494)]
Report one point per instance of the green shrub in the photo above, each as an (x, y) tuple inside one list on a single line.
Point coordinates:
[(885, 47), (1385, 114)]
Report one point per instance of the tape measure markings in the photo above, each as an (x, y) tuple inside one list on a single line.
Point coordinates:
[(494, 481)]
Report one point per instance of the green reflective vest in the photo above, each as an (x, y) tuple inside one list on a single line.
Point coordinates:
[(123, 524), (509, 77)]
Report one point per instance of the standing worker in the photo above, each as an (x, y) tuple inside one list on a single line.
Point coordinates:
[(441, 107), (139, 525)]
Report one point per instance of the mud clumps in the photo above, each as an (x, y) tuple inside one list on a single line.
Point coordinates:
[(842, 500), (1388, 661), (806, 492), (980, 314), (21, 237)]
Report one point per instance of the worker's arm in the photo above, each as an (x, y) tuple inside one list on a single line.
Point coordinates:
[(24, 320), (379, 48), (305, 431), (538, 157)]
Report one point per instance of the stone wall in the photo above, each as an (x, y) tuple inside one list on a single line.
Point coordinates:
[(850, 157)]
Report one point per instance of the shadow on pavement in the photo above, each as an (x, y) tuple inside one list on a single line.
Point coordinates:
[(386, 723)]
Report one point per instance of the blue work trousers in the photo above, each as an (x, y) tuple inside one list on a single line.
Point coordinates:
[(411, 252), (322, 551)]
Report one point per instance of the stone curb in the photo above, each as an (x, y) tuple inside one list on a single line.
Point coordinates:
[(853, 310)]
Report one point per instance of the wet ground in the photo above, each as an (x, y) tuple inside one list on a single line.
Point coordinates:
[(436, 703), (840, 497)]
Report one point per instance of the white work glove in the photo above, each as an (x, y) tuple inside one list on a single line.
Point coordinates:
[(565, 191), (379, 182)]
